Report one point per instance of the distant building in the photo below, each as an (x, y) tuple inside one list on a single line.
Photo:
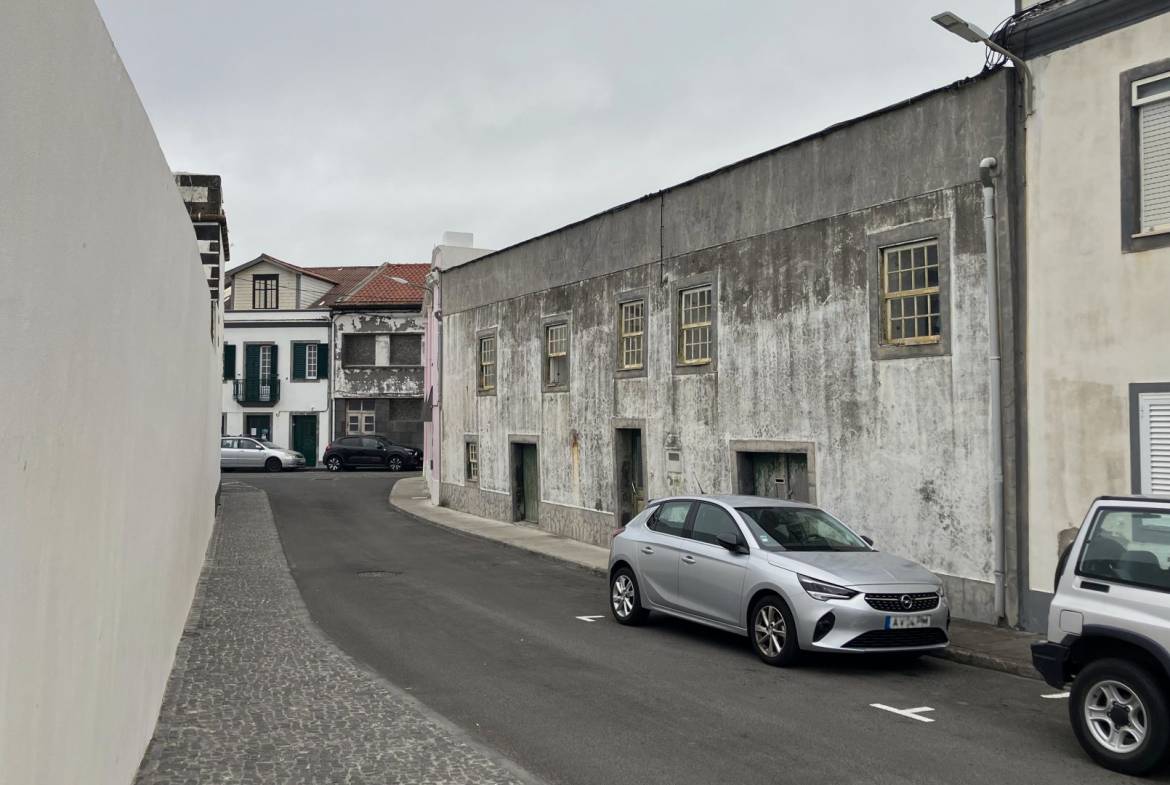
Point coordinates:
[(280, 368), (377, 354), (203, 196)]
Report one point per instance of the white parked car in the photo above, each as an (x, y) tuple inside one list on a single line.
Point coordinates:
[(244, 452), (1109, 633)]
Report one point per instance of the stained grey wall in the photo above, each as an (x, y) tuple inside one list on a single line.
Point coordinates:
[(789, 239)]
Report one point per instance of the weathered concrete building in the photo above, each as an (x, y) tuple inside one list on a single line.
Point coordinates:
[(1095, 274), (377, 333), (809, 323), (203, 196)]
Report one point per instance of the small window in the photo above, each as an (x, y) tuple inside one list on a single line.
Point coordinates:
[(710, 522), (472, 462), (227, 444), (487, 363), (694, 332), (556, 357), (359, 413), (910, 294), (265, 294), (1151, 100), (358, 350), (671, 518), (310, 361), (1130, 547), (632, 328)]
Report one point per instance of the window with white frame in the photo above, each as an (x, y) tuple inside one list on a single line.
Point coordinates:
[(472, 461), (1151, 101), (695, 309), (556, 355), (311, 352), (632, 328), (486, 376), (911, 311), (359, 414)]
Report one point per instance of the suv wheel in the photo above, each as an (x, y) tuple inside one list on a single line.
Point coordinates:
[(772, 632), (625, 602), (1120, 716), (334, 463), (394, 463)]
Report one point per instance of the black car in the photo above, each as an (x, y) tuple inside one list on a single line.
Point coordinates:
[(351, 452)]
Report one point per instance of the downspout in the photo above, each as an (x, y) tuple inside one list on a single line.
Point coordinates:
[(986, 167)]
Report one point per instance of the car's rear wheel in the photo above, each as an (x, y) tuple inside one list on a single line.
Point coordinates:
[(273, 465), (1120, 716), (773, 632), (334, 463), (625, 601), (394, 463)]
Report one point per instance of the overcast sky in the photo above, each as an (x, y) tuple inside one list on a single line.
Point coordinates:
[(357, 131)]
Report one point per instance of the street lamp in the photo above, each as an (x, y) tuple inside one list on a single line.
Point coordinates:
[(953, 23)]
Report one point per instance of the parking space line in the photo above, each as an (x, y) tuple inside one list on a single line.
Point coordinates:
[(1055, 696), (911, 713), (590, 618)]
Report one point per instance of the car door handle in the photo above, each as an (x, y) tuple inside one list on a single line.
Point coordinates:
[(1101, 587), (647, 549), (688, 559)]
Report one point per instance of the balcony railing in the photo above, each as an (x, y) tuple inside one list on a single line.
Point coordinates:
[(262, 390)]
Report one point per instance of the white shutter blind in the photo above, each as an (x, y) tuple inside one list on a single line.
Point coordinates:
[(1154, 412), (1154, 144)]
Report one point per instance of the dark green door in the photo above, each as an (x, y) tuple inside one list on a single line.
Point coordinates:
[(304, 437)]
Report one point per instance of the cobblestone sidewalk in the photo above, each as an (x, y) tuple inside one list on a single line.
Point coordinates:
[(258, 695)]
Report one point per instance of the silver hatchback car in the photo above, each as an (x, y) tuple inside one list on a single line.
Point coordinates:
[(789, 576), (245, 452)]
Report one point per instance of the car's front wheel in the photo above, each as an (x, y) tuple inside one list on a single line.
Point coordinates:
[(334, 463), (1120, 716), (273, 464), (773, 632), (625, 602)]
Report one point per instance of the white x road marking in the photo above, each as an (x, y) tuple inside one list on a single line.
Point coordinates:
[(590, 618), (911, 713)]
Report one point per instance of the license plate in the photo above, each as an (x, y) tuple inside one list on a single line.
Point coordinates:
[(906, 622)]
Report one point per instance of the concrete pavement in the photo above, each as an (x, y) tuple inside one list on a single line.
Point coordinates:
[(258, 695), (982, 645)]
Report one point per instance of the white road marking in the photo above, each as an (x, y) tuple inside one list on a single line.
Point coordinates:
[(590, 618), (1055, 696), (911, 713)]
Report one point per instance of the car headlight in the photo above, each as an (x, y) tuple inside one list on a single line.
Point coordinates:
[(819, 590), (942, 590)]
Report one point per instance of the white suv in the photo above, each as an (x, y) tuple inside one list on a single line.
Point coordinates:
[(1109, 633)]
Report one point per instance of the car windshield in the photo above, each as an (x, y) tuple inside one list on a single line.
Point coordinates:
[(799, 529)]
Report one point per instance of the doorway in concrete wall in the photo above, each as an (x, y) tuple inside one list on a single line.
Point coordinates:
[(776, 475), (525, 483), (629, 473)]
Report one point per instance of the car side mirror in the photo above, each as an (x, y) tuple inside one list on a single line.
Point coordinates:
[(868, 540), (382, 447), (731, 543)]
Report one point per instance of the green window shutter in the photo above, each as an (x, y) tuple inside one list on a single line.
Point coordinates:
[(251, 361), (322, 361), (298, 369), (229, 361), (275, 366)]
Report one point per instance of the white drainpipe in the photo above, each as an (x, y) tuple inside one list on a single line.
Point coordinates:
[(986, 168)]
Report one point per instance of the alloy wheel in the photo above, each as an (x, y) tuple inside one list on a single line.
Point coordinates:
[(395, 464), (333, 464), (1116, 717), (770, 630), (623, 596)]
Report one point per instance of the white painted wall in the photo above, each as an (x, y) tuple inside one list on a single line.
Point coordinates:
[(1096, 316), (110, 461)]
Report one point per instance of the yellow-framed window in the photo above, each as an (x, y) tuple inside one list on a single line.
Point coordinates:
[(632, 329), (910, 294), (695, 308)]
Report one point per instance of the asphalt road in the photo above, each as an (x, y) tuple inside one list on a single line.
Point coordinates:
[(488, 636)]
